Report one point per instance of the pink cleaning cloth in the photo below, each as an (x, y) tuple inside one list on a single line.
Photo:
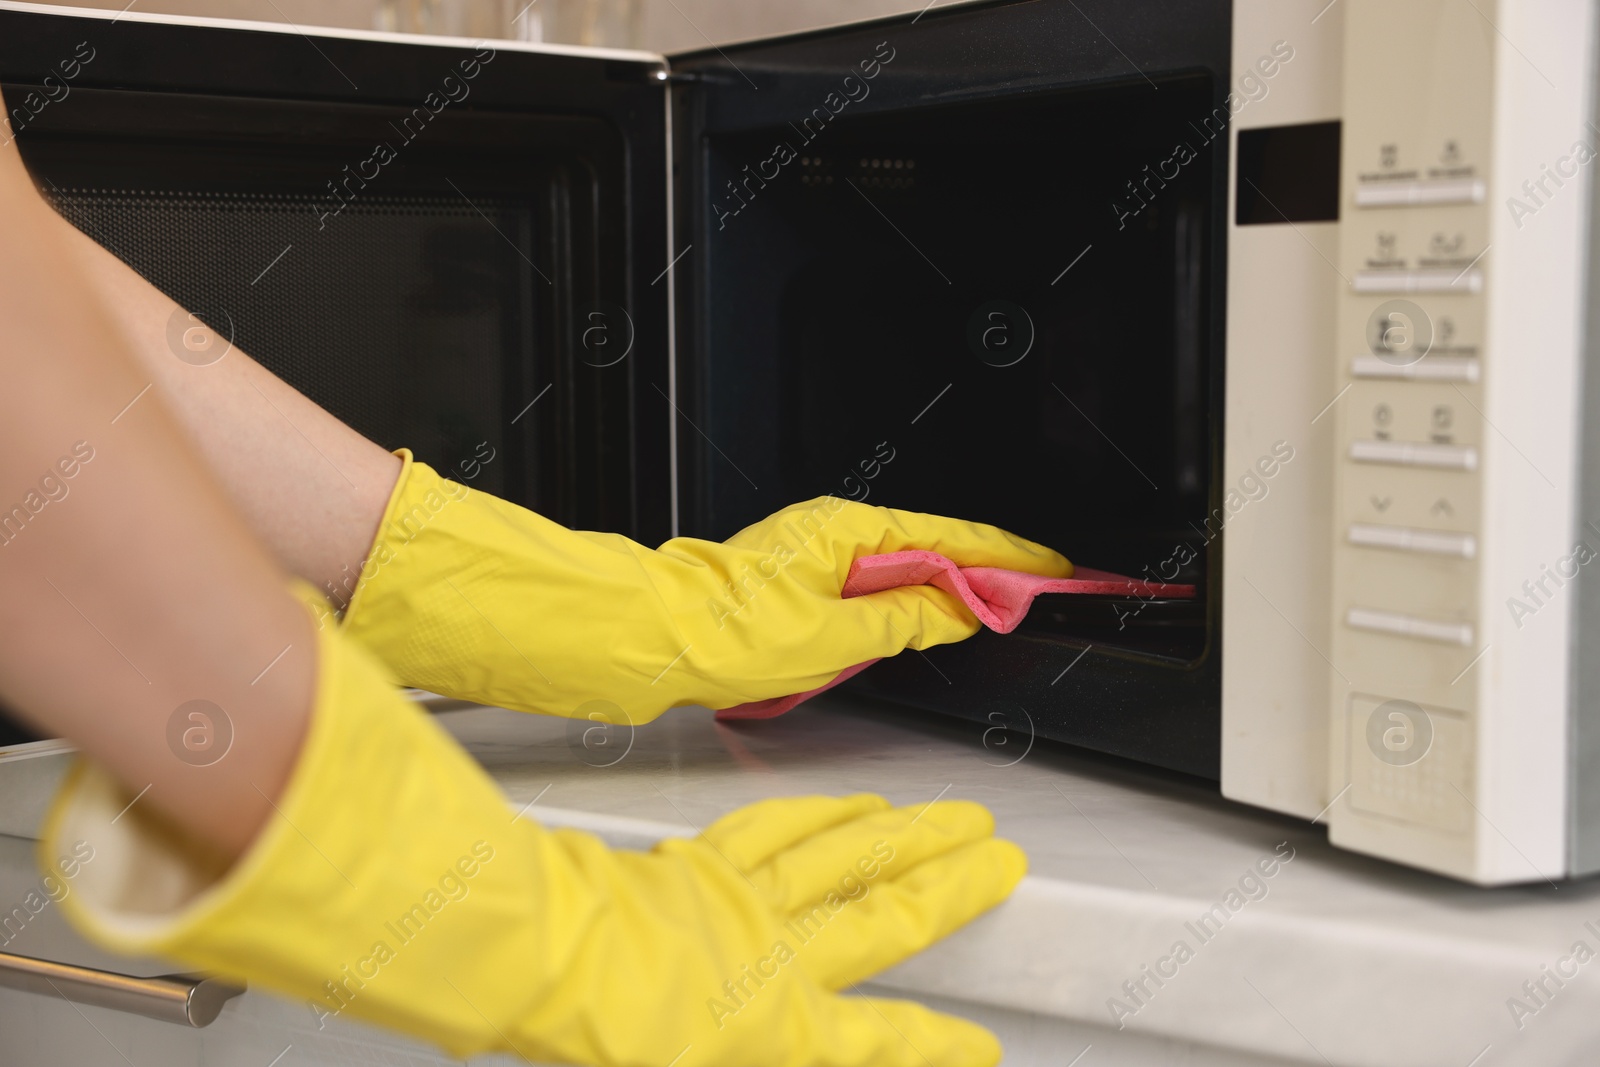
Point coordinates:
[(999, 598)]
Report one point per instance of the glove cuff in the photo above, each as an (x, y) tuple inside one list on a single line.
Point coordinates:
[(391, 883), (471, 596), (407, 607), (350, 604)]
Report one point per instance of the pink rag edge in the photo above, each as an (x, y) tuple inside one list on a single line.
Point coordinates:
[(999, 598)]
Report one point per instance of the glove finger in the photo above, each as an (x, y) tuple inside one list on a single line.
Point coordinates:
[(873, 1032), (874, 848), (969, 544), (753, 834), (842, 530), (901, 917)]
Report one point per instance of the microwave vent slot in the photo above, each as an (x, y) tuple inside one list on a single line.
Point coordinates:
[(886, 172)]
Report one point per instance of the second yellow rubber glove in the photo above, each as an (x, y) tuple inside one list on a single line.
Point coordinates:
[(469, 596), (394, 884)]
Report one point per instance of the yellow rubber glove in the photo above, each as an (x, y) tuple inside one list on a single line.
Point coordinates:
[(395, 885), (472, 597)]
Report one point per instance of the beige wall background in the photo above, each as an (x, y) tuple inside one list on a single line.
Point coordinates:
[(656, 25)]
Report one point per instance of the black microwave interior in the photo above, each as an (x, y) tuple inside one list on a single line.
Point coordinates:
[(943, 311), (990, 285)]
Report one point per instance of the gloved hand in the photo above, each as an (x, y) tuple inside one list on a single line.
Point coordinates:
[(394, 884), (472, 597)]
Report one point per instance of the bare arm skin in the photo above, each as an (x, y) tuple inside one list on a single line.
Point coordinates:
[(136, 584), (311, 488)]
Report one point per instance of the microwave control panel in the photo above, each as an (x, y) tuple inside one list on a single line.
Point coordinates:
[(1414, 268)]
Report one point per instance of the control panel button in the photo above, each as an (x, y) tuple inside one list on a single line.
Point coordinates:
[(1410, 194), (1407, 539), (1415, 454), (1427, 369), (1394, 622), (1418, 281)]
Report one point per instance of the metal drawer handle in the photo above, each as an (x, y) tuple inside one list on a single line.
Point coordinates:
[(188, 1000)]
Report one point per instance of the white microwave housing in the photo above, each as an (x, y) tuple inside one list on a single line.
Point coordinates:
[(1405, 615)]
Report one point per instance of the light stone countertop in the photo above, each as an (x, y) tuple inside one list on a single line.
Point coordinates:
[(1339, 959), (1344, 959)]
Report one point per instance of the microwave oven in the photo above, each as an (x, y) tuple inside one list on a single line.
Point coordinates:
[(1283, 299)]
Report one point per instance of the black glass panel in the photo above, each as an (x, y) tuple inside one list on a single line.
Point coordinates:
[(432, 291), (408, 324), (1288, 174)]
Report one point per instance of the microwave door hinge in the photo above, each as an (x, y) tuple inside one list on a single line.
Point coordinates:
[(659, 74), (667, 76)]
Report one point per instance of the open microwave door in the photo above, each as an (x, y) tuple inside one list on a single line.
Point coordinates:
[(457, 247), (426, 235)]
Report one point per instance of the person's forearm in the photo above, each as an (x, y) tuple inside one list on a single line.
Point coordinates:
[(130, 586), (311, 488)]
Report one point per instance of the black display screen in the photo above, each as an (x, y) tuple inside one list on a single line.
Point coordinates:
[(1288, 174)]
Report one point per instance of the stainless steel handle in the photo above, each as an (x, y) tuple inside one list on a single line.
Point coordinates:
[(188, 1000)]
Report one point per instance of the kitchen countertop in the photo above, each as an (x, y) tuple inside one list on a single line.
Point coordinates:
[(1333, 958), (1344, 959)]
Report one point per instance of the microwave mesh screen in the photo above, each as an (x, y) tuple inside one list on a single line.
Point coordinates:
[(397, 314)]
